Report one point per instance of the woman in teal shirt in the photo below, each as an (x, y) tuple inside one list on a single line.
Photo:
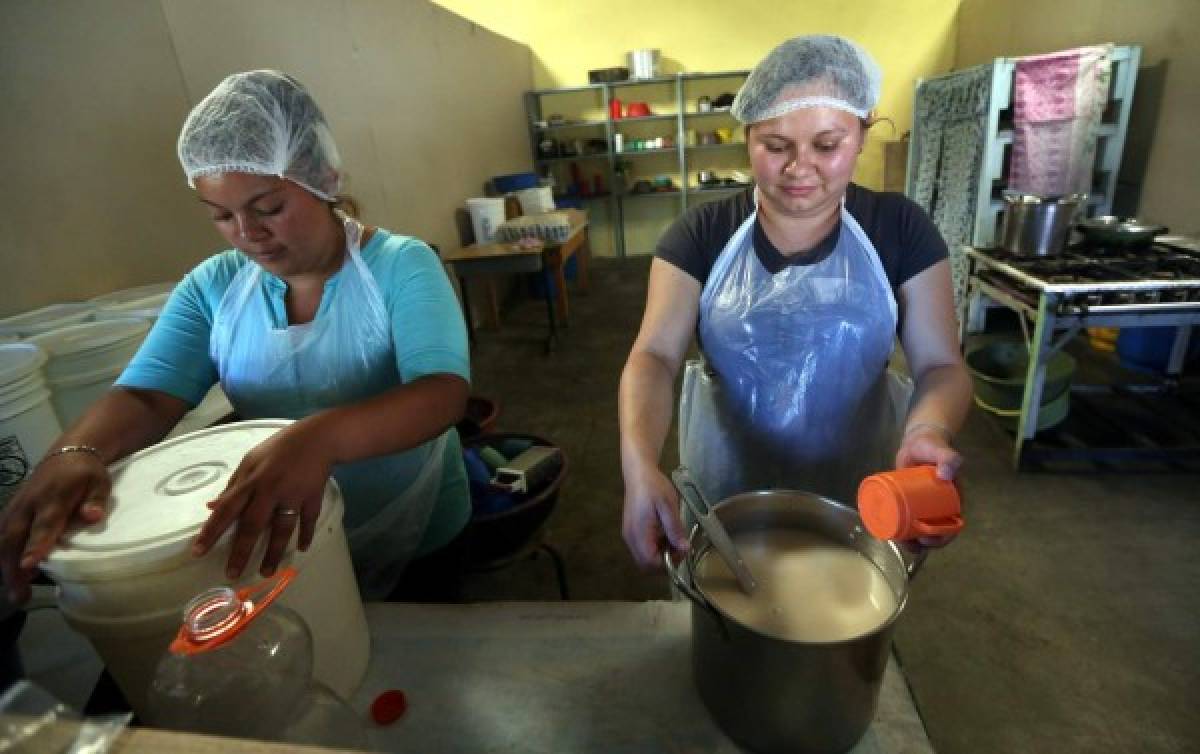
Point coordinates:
[(352, 331)]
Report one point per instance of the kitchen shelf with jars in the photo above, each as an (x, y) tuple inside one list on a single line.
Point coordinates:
[(667, 138)]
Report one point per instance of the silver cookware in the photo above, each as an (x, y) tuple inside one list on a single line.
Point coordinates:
[(772, 694), (1118, 231), (1038, 226)]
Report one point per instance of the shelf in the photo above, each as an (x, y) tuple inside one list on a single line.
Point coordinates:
[(597, 156), (651, 194), (676, 94), (709, 147), (717, 75), (643, 118), (719, 189), (639, 82), (567, 89), (577, 124), (1005, 135), (646, 152)]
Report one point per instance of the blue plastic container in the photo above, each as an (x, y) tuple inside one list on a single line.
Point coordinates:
[(537, 282), (515, 182), (1149, 348)]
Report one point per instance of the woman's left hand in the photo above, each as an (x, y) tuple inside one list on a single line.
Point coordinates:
[(278, 483), (929, 445)]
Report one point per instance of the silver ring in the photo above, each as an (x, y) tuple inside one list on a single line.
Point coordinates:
[(286, 512)]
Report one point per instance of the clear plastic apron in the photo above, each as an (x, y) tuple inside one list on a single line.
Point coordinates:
[(793, 391), (344, 355)]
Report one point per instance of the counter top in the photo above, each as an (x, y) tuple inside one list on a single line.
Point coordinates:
[(563, 677)]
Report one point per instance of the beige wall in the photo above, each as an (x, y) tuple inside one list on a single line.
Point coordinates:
[(1162, 154), (911, 39), (425, 107)]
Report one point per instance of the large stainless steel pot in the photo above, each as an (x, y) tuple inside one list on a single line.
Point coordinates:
[(778, 695), (1038, 226)]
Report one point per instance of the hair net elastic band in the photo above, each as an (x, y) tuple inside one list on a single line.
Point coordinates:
[(783, 108), (254, 169)]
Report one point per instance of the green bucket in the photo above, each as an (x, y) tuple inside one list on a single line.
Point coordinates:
[(998, 369)]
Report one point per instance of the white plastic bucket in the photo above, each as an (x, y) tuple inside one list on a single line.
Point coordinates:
[(132, 298), (28, 424), (535, 201), (47, 318), (123, 583), (144, 302), (486, 216), (86, 359)]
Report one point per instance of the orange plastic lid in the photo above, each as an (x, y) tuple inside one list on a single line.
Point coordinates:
[(882, 507), (254, 598)]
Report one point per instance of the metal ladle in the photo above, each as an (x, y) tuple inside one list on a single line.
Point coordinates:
[(694, 499)]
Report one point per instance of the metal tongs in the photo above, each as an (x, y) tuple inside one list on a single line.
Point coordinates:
[(694, 499)]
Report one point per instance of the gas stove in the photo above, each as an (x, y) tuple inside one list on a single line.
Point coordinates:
[(1087, 277), (1056, 298)]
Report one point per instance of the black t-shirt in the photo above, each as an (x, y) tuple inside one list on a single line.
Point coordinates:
[(905, 238)]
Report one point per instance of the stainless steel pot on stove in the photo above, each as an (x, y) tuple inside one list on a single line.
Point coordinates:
[(1038, 226), (771, 694)]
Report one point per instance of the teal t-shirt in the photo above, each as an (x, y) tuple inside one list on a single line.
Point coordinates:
[(428, 337)]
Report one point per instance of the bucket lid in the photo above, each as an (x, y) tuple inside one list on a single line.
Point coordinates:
[(133, 298), (157, 505), (19, 360), (47, 318), (90, 335)]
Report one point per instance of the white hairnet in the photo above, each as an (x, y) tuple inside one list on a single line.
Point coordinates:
[(261, 122), (813, 71)]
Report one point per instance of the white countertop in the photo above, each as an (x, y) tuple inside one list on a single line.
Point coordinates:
[(563, 677)]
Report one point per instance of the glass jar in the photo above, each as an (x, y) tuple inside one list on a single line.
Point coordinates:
[(242, 667)]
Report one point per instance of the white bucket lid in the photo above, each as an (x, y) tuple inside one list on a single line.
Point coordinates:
[(19, 360), (140, 297), (47, 318), (157, 505), (90, 335)]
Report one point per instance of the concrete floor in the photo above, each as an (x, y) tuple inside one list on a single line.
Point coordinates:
[(1066, 618)]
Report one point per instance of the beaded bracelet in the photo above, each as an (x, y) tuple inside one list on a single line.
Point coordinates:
[(70, 449)]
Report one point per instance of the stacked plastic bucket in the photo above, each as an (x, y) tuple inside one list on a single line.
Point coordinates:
[(27, 421), (56, 360), (86, 359)]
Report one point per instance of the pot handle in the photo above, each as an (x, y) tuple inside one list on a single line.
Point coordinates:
[(688, 589), (918, 553)]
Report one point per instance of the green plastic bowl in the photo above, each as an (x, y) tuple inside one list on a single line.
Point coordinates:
[(998, 369)]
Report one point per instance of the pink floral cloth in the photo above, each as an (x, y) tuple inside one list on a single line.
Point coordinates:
[(1058, 100)]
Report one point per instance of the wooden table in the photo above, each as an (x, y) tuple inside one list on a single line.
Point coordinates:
[(478, 260)]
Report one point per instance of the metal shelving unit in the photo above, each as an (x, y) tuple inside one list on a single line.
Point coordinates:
[(602, 95), (998, 134)]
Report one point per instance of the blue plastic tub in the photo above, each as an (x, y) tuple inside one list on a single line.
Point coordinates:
[(1149, 348), (515, 182)]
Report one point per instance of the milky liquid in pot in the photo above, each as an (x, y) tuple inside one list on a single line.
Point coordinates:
[(809, 587)]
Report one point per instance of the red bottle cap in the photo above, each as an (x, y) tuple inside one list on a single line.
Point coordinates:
[(389, 707)]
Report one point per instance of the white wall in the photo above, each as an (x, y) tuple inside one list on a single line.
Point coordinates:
[(425, 106)]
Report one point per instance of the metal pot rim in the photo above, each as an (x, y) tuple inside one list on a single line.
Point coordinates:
[(700, 547)]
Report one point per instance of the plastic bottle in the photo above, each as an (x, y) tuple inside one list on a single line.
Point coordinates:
[(239, 669)]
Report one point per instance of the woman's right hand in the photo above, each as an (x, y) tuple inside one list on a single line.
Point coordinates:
[(651, 517), (62, 488)]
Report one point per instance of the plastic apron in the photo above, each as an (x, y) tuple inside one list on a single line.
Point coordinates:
[(793, 392), (343, 355)]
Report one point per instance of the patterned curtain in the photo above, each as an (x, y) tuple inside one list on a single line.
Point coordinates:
[(950, 113)]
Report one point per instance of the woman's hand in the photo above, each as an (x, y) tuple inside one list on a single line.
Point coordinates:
[(278, 483), (926, 444), (63, 488), (651, 517)]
